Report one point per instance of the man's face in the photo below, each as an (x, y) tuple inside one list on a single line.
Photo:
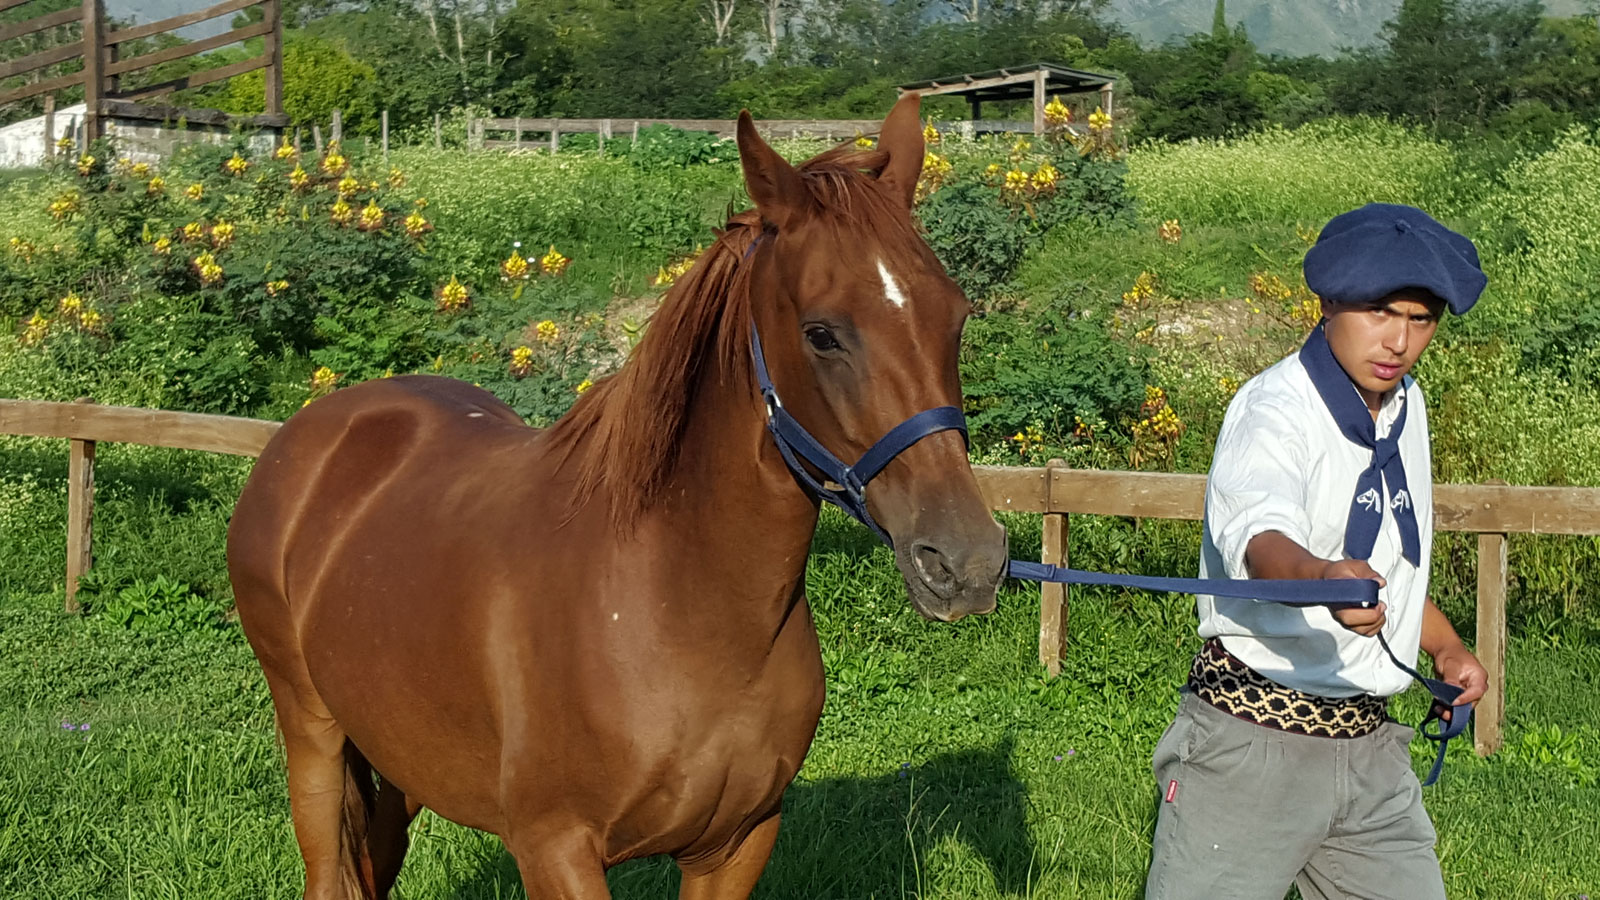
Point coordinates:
[(1378, 344)]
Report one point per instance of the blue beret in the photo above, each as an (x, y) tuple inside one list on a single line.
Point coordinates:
[(1369, 253)]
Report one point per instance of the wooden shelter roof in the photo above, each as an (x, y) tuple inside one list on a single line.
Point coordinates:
[(1011, 83)]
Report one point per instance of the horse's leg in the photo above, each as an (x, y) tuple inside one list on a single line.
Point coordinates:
[(320, 782), (561, 866), (387, 837), (737, 877)]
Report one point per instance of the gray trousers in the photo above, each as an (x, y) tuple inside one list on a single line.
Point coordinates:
[(1246, 810)]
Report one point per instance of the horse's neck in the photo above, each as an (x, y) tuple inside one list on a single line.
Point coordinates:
[(730, 482)]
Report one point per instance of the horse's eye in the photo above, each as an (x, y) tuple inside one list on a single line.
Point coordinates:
[(821, 339)]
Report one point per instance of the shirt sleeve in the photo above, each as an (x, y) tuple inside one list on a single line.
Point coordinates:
[(1258, 481)]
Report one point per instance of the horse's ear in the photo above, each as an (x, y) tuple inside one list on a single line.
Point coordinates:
[(901, 138), (774, 185)]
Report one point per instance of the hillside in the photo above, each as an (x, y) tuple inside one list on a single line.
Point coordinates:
[(1297, 27)]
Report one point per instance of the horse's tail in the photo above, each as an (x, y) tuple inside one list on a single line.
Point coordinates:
[(360, 798)]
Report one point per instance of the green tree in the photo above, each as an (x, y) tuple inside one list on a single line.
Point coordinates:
[(318, 78)]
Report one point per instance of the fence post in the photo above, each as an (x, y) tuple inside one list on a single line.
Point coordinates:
[(94, 36), (516, 134), (49, 127), (555, 135), (80, 513), (1491, 641), (336, 130), (272, 15), (316, 137), (635, 132), (1053, 597)]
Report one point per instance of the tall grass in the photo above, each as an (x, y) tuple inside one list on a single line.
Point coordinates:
[(1307, 175)]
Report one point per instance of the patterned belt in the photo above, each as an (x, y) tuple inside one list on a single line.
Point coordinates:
[(1221, 680)]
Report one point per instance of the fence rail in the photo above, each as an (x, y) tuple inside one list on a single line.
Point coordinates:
[(1057, 492)]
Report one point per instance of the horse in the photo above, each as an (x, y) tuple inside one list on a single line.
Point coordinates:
[(592, 640)]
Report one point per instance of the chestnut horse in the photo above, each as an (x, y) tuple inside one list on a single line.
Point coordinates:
[(592, 640)]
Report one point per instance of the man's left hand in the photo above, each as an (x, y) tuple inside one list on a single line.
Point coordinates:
[(1459, 667)]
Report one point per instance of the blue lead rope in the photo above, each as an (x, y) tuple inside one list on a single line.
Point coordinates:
[(1335, 593)]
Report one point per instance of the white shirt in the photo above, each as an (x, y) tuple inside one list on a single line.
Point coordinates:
[(1283, 465)]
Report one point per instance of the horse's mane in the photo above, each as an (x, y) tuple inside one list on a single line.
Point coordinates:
[(625, 430)]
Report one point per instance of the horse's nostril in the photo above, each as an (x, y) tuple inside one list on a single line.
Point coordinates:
[(933, 566)]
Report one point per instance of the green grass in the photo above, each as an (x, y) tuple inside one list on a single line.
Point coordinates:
[(934, 773)]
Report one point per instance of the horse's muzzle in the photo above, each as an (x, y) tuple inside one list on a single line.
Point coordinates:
[(950, 576)]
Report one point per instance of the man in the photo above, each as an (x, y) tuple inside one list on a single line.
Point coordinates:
[(1282, 765)]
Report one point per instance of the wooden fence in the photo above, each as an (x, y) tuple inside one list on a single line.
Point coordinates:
[(1055, 491), (100, 49)]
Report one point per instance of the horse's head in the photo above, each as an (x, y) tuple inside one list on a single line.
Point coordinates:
[(861, 328)]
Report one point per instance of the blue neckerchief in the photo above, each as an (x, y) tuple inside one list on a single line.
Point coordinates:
[(1386, 470)]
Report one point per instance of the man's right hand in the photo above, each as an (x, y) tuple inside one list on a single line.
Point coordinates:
[(1366, 622)]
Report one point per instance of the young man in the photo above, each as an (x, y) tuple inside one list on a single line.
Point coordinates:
[(1282, 765)]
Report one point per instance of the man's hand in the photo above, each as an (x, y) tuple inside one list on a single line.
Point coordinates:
[(1366, 622), (1457, 666)]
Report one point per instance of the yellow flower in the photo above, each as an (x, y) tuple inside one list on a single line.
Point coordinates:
[(453, 296), (64, 144), (71, 304), (583, 385), (420, 203), (206, 265), (553, 263), (1144, 288), (193, 231), (163, 245), (397, 179), (1044, 179), (1099, 120), (195, 191), (157, 185), (1229, 386), (221, 235), (930, 134), (1170, 231), (992, 171), (38, 326), (123, 165), (285, 150), (90, 320), (416, 225), (522, 361), (299, 178), (864, 142), (1056, 113), (371, 216), (24, 249), (139, 169), (66, 206), (341, 213), (666, 275), (548, 332), (274, 288), (323, 379), (334, 163), (86, 164), (348, 185), (236, 164), (1016, 182), (515, 266), (936, 170)]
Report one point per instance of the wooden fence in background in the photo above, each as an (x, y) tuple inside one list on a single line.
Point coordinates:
[(1055, 491), (100, 49)]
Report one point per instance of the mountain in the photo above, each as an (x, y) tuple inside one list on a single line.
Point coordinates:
[(1293, 27)]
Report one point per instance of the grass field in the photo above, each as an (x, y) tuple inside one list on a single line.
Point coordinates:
[(945, 765)]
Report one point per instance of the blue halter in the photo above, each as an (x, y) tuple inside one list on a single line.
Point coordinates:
[(796, 444)]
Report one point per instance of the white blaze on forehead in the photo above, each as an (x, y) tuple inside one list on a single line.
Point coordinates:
[(891, 288)]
